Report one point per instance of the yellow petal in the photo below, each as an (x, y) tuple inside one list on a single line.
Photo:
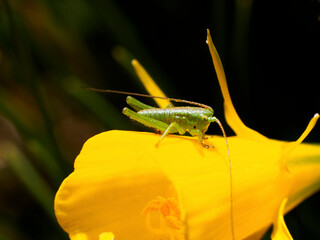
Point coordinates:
[(280, 230), (231, 115), (304, 164), (110, 187), (149, 84), (118, 173)]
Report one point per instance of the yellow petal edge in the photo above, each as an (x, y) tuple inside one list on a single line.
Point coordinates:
[(231, 115), (280, 230)]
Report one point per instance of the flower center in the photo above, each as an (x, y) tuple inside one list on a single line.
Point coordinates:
[(163, 217)]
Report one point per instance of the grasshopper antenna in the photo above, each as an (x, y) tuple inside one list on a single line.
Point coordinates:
[(150, 96), (230, 178)]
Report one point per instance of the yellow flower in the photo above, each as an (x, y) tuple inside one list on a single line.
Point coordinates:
[(122, 183)]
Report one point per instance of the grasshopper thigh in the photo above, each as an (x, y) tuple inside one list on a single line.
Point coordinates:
[(146, 121), (137, 105)]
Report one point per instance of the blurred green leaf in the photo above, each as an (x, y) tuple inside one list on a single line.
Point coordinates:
[(29, 176), (94, 103)]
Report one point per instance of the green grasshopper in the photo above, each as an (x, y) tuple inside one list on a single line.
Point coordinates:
[(194, 120)]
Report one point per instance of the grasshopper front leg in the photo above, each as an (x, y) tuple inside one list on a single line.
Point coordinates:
[(173, 128), (201, 138)]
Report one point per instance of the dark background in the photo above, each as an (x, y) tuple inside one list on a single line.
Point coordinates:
[(50, 49)]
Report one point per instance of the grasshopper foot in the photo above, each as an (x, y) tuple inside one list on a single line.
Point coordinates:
[(206, 145), (157, 131)]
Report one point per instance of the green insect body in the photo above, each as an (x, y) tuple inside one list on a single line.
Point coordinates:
[(194, 120)]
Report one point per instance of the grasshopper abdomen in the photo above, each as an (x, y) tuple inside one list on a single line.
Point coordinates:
[(190, 119)]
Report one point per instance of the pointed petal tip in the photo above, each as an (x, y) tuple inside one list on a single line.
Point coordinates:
[(231, 115), (310, 126), (208, 36), (134, 62), (149, 84)]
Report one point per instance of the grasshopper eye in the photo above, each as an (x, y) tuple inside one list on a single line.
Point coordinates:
[(204, 118)]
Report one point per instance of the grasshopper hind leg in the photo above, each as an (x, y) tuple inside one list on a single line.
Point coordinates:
[(137, 105), (160, 127), (146, 121)]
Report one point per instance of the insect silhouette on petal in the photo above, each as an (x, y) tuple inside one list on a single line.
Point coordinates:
[(192, 119)]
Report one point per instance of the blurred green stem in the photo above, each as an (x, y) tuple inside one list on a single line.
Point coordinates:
[(126, 34), (29, 176), (26, 73), (124, 58), (108, 115), (37, 143), (9, 227), (47, 161)]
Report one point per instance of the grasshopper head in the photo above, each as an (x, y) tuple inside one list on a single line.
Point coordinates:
[(202, 123)]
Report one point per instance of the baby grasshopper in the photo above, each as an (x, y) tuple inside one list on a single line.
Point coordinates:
[(194, 120)]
